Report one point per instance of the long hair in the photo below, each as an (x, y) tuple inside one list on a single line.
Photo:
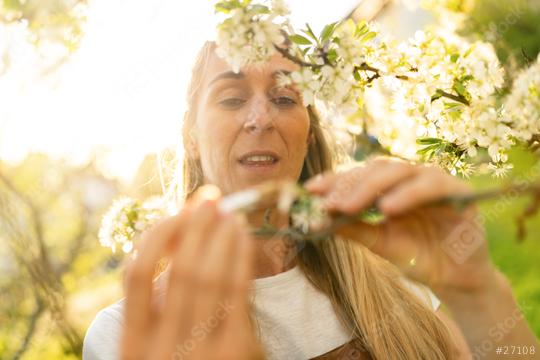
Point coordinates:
[(367, 292)]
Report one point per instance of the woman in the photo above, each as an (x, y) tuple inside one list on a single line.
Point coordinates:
[(334, 299)]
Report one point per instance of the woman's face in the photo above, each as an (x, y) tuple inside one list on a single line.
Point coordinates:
[(248, 129)]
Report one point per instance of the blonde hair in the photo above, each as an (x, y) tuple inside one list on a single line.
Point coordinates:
[(387, 320)]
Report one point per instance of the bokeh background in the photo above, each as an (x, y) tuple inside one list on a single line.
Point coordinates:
[(91, 104)]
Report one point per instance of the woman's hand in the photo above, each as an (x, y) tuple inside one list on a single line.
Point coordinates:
[(439, 246), (202, 311), (444, 248)]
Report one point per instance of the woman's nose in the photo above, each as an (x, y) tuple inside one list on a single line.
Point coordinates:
[(260, 116)]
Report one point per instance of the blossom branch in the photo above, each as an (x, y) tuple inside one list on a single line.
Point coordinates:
[(459, 98), (459, 202), (362, 67), (365, 67), (286, 54)]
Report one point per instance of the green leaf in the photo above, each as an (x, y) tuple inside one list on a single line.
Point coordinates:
[(369, 36), (361, 28), (460, 89), (299, 39), (372, 216), (226, 6), (438, 94), (452, 106), (425, 150), (328, 31), (260, 9), (222, 8), (332, 55), (534, 91), (469, 51), (310, 33), (454, 58), (428, 141)]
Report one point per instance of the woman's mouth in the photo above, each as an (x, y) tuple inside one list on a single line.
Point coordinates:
[(259, 160)]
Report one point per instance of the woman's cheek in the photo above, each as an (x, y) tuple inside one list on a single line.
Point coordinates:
[(297, 137)]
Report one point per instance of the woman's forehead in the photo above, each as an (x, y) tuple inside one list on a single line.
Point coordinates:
[(218, 68)]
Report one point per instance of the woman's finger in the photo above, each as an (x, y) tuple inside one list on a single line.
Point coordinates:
[(178, 300), (321, 183), (218, 257), (430, 185), (361, 191), (241, 270), (236, 328), (138, 283)]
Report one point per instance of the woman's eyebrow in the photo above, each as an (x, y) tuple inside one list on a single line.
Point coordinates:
[(232, 75), (227, 75), (276, 74)]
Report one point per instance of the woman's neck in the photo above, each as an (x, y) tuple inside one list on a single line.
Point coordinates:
[(273, 255)]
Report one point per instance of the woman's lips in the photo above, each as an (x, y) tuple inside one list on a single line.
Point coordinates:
[(259, 165), (259, 160)]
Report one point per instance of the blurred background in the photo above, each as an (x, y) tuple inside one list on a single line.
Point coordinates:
[(91, 104)]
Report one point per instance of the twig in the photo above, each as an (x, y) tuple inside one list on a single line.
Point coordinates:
[(458, 201), (458, 98), (530, 211), (34, 318), (35, 213), (534, 143), (43, 274), (362, 67), (285, 53), (376, 74)]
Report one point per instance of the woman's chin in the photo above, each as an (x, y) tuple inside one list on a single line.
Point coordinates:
[(261, 170), (251, 176)]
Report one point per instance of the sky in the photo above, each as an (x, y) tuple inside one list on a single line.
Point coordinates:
[(122, 93)]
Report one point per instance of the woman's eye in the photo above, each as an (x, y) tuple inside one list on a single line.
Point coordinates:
[(284, 101), (232, 102)]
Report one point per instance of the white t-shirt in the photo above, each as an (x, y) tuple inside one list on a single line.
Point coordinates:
[(294, 319)]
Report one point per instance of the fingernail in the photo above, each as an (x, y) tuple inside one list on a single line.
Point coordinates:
[(314, 182), (205, 192), (208, 204)]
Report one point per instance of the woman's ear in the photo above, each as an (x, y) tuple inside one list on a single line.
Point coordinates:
[(311, 137)]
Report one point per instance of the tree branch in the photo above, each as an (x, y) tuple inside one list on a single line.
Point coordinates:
[(34, 318), (34, 211), (534, 143), (42, 273), (377, 74), (457, 201), (285, 53), (362, 67), (458, 98), (77, 243)]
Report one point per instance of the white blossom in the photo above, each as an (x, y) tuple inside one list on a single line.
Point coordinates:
[(307, 83), (435, 62), (248, 35), (280, 8), (523, 104), (500, 169), (128, 217), (309, 214)]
